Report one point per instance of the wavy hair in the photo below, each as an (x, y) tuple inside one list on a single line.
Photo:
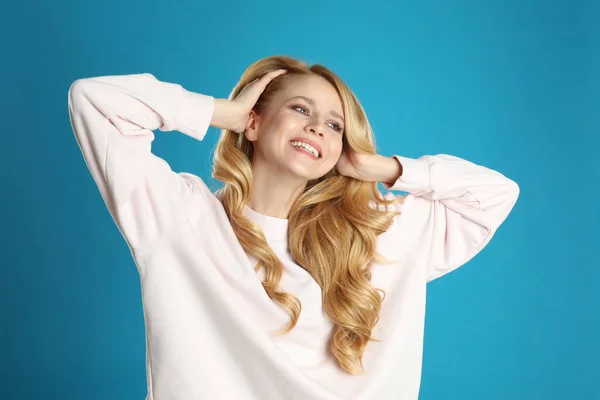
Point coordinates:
[(332, 227)]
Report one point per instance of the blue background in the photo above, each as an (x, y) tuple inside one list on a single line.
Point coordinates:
[(511, 85)]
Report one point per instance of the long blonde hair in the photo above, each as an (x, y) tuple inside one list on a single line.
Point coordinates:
[(332, 227)]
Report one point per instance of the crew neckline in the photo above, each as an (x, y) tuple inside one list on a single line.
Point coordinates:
[(274, 228)]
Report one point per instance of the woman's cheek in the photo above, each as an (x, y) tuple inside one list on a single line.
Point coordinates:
[(286, 121)]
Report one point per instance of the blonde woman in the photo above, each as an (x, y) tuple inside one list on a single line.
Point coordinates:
[(297, 279)]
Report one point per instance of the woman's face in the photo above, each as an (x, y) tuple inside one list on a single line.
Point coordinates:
[(308, 109)]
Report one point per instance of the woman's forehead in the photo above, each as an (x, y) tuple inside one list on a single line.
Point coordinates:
[(312, 87)]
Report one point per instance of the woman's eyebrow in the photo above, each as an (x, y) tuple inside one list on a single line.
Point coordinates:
[(314, 104)]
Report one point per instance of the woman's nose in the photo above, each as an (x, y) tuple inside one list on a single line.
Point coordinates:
[(315, 129)]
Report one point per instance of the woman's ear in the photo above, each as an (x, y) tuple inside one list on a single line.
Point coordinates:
[(251, 131)]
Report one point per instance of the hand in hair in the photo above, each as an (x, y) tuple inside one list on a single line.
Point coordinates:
[(234, 114), (368, 167), (352, 164)]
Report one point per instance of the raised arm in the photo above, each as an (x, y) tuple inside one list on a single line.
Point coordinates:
[(454, 207), (113, 118)]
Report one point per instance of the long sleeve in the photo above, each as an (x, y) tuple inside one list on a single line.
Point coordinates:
[(112, 118), (454, 207)]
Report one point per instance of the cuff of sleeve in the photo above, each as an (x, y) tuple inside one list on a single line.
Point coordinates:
[(415, 176), (194, 114)]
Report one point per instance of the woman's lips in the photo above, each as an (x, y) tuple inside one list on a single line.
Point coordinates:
[(300, 149)]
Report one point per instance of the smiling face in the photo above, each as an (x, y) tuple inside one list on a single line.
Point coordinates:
[(307, 109)]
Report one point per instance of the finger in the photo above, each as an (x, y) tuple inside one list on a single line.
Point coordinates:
[(258, 85), (278, 72), (270, 76)]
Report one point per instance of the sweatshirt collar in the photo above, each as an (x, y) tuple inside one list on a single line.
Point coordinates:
[(273, 228)]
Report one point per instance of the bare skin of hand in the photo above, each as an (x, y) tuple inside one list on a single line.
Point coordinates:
[(369, 167), (352, 164), (234, 114)]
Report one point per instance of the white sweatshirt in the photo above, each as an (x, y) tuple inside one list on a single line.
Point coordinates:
[(208, 321)]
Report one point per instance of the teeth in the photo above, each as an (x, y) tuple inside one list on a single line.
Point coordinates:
[(306, 147)]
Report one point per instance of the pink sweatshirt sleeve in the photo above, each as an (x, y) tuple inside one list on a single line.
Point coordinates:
[(112, 118), (453, 208)]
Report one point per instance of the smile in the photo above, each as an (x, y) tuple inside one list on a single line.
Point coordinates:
[(306, 149)]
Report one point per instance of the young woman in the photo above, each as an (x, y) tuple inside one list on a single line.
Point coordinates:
[(298, 279)]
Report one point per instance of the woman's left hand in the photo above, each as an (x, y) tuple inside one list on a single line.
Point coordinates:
[(369, 167), (353, 164)]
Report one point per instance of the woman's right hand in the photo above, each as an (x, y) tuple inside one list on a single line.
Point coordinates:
[(234, 114)]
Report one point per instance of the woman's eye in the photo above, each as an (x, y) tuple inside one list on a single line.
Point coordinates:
[(303, 109), (337, 127)]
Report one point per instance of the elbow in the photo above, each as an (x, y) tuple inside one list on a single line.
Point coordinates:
[(75, 92), (507, 200), (513, 190), (80, 94), (79, 88)]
